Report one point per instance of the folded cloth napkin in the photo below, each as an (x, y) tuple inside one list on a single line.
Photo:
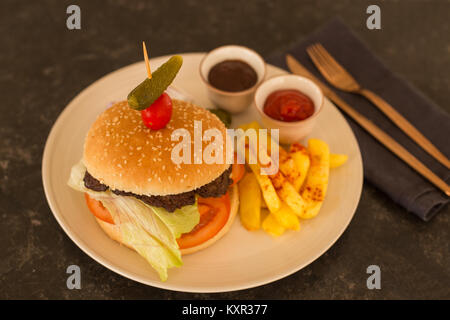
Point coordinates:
[(381, 167)]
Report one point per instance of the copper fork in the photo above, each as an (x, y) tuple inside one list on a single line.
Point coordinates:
[(336, 74)]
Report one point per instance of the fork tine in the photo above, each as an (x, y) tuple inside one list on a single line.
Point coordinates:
[(337, 67), (317, 60), (328, 61), (331, 61)]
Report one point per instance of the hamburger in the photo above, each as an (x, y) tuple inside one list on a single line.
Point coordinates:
[(144, 200)]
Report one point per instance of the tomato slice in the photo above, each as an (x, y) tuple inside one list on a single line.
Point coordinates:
[(237, 172), (214, 213), (98, 209)]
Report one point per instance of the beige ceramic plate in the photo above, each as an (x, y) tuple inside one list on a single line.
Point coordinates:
[(241, 259)]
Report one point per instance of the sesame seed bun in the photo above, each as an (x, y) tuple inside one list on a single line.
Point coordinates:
[(122, 153), (114, 232)]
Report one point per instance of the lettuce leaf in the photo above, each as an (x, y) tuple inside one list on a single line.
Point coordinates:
[(180, 221), (151, 231)]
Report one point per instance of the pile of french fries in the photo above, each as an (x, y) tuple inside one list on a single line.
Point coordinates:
[(277, 202)]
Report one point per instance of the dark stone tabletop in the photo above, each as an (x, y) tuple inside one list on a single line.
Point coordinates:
[(44, 65)]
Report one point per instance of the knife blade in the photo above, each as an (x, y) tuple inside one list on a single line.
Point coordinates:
[(392, 145)]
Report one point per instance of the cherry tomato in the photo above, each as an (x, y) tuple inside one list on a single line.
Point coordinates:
[(159, 113)]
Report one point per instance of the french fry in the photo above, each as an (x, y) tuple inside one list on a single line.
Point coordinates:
[(263, 204), (255, 125), (302, 162), (287, 218), (287, 193), (288, 166), (250, 209), (337, 160), (316, 182), (272, 227), (268, 191), (264, 213), (279, 186), (251, 125)]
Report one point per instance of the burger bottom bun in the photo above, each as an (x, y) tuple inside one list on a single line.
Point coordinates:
[(114, 233)]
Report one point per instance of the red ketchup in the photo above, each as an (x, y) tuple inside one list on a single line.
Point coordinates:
[(288, 105)]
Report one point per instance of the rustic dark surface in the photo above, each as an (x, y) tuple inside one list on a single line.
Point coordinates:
[(44, 65)]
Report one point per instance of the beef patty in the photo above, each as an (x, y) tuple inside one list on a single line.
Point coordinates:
[(216, 188)]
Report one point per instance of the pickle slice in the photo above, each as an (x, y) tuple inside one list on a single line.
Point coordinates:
[(149, 90)]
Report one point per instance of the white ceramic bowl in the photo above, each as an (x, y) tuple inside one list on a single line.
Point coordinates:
[(289, 131), (233, 102)]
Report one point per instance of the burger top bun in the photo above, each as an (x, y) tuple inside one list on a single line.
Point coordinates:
[(122, 153), (114, 233)]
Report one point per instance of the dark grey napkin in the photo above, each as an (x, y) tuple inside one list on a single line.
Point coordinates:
[(382, 168)]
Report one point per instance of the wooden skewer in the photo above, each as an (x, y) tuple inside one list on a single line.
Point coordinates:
[(147, 64)]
